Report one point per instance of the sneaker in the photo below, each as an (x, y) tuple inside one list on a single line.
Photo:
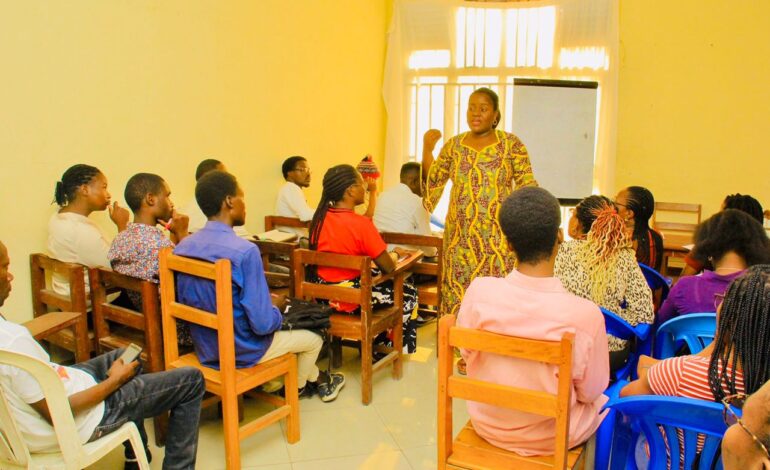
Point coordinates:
[(310, 389), (329, 388)]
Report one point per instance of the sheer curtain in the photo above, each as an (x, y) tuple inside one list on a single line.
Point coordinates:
[(440, 50)]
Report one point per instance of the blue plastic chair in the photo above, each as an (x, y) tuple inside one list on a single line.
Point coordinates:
[(620, 328), (644, 414), (656, 281), (696, 330)]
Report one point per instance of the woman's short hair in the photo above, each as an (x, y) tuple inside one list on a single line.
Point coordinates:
[(731, 230)]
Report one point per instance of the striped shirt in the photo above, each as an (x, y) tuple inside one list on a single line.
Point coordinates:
[(688, 377)]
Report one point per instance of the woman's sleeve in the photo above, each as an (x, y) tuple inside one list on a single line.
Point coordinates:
[(638, 295), (438, 175), (522, 168)]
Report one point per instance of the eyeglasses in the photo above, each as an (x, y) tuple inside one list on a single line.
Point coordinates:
[(731, 418), (302, 170), (619, 204), (719, 297)]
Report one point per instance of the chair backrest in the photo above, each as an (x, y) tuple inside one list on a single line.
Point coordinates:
[(658, 284), (147, 320), (450, 386), (620, 328), (13, 449), (696, 330), (273, 221), (305, 288), (268, 249), (218, 273), (647, 414), (686, 210), (43, 298), (428, 267)]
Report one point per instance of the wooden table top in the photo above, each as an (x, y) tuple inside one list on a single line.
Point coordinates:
[(676, 241)]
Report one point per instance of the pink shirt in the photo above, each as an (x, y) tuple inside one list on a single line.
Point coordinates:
[(537, 308)]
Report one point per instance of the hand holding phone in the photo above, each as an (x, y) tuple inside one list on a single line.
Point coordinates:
[(131, 353)]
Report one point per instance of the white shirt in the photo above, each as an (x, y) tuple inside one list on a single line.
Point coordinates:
[(74, 238), (20, 389), (198, 220), (399, 210), (291, 202)]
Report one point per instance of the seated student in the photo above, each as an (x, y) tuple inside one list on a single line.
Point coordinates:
[(531, 303), (599, 265), (134, 251), (400, 208), (196, 217), (103, 393), (72, 236), (740, 449), (635, 205), (728, 242), (736, 362), (290, 201), (256, 321), (741, 202), (336, 228)]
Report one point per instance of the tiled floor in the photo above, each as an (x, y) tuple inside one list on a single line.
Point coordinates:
[(397, 431)]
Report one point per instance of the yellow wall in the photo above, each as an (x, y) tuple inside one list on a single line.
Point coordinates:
[(694, 99), (157, 86)]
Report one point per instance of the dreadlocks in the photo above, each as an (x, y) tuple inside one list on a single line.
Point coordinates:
[(71, 180), (742, 334), (605, 238), (336, 181), (641, 201)]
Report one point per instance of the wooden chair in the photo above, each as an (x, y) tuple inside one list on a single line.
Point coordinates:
[(469, 450), (366, 326), (117, 327), (428, 293), (78, 338), (279, 283), (227, 383), (676, 228)]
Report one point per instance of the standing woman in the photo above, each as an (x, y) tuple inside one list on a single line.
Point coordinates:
[(485, 165), (635, 205), (72, 236)]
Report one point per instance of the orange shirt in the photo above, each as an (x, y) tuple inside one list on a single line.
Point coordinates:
[(348, 233)]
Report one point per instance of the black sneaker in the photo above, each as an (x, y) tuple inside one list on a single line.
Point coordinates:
[(310, 389), (329, 388)]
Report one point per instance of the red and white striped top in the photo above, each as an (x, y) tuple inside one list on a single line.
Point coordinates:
[(686, 376)]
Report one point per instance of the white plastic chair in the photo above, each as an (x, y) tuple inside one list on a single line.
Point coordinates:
[(72, 454)]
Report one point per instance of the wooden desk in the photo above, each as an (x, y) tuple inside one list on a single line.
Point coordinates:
[(674, 247)]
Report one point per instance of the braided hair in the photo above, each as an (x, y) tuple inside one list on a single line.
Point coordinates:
[(75, 177), (641, 201), (742, 334), (605, 239), (336, 181)]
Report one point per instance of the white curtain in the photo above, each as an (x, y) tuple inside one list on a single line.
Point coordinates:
[(439, 50)]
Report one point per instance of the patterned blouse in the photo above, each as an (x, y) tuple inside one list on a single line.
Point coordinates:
[(135, 251), (628, 296)]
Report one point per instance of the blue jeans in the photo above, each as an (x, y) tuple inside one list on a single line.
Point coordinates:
[(147, 395)]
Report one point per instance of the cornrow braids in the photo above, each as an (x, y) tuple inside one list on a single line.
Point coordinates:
[(336, 181), (606, 237), (71, 180), (642, 202), (742, 337)]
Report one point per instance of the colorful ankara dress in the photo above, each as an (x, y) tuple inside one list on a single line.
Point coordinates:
[(474, 244)]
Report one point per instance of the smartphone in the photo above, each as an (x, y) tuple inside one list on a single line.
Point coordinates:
[(131, 353)]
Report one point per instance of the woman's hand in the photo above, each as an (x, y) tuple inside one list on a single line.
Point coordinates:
[(429, 140), (119, 215), (371, 185)]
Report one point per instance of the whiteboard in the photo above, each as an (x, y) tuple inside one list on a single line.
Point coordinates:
[(556, 120)]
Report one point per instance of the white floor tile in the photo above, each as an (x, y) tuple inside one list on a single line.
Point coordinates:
[(392, 460)]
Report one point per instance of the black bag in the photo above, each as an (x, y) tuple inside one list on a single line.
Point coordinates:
[(301, 314)]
